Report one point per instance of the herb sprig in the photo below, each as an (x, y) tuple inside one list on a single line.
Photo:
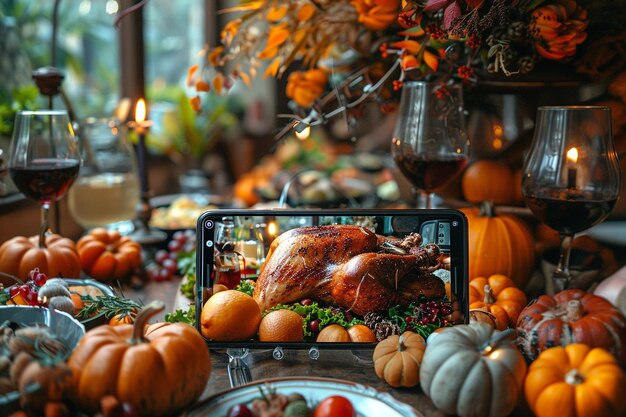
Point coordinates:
[(110, 305)]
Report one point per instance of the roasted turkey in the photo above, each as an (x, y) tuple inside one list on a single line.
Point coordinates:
[(348, 266)]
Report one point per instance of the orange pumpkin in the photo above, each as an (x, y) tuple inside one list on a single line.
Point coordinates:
[(138, 364), (488, 180), (57, 257), (397, 359), (576, 380), (571, 316), (106, 255), (499, 244), (499, 296)]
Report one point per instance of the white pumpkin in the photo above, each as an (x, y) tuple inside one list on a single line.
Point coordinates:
[(473, 370)]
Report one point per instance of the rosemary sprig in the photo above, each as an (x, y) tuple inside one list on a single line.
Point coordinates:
[(110, 305)]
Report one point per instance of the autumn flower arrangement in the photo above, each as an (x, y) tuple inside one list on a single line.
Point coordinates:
[(339, 54)]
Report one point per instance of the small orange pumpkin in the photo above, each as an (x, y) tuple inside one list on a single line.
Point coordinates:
[(576, 380), (499, 296), (488, 180), (106, 255), (57, 256), (137, 364), (397, 359), (499, 244)]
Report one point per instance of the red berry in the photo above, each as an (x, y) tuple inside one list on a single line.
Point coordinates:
[(170, 265), (174, 245), (13, 290), (161, 255), (24, 290), (39, 279), (314, 326)]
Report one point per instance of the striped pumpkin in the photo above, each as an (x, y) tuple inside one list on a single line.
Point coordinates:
[(571, 316)]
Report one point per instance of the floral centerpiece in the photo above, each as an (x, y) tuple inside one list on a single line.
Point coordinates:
[(339, 54)]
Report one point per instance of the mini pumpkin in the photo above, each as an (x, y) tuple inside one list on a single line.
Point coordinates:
[(576, 380), (473, 370), (106, 255), (137, 364), (499, 244), (499, 296), (397, 359), (54, 256), (571, 316)]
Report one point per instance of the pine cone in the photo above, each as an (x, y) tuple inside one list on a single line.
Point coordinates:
[(384, 329), (371, 319)]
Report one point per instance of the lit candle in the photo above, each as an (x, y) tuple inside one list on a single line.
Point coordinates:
[(572, 158), (141, 126)]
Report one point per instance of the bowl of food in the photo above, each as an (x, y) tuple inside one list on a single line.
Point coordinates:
[(39, 329)]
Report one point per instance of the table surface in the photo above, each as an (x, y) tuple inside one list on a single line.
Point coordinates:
[(354, 366)]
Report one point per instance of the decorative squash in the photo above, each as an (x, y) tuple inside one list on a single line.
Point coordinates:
[(488, 180), (499, 296), (138, 364), (576, 380), (397, 359), (57, 256), (106, 255), (473, 370), (571, 316), (499, 244)]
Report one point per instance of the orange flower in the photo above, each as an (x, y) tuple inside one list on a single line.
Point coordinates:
[(377, 14), (558, 28), (304, 87)]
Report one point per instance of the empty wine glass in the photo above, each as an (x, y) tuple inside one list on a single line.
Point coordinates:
[(44, 158), (571, 176), (429, 144)]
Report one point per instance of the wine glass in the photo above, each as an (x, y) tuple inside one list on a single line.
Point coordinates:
[(106, 192), (571, 176), (429, 144), (44, 158)]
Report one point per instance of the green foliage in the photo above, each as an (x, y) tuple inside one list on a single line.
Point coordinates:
[(182, 316), (21, 98), (186, 134)]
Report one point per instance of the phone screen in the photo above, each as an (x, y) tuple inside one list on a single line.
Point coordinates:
[(405, 268)]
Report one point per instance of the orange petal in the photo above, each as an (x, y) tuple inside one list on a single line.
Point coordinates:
[(412, 47), (409, 62), (203, 86), (305, 12), (218, 83), (268, 53), (214, 56), (276, 13), (195, 103), (431, 60), (246, 79), (192, 70), (277, 36), (272, 69)]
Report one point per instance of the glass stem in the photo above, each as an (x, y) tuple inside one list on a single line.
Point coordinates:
[(561, 274), (423, 199), (45, 208)]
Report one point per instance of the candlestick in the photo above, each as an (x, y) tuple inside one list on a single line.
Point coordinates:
[(572, 158), (144, 234)]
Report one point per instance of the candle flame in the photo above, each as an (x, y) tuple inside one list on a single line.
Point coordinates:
[(272, 229), (140, 111), (572, 155)]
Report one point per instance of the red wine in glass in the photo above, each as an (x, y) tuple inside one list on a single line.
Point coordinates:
[(45, 180), (428, 173), (569, 215)]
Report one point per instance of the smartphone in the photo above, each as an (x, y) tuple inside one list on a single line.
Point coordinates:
[(275, 251)]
